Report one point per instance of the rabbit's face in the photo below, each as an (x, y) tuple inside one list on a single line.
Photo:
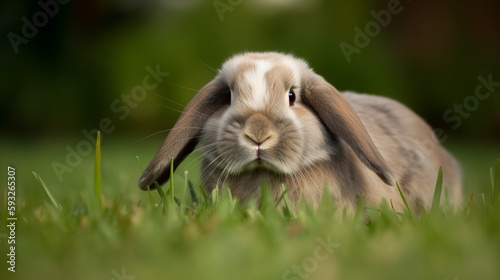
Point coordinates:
[(265, 125)]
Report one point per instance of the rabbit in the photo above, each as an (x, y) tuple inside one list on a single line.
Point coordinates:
[(267, 118)]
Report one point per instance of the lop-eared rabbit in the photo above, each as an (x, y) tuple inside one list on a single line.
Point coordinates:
[(267, 118)]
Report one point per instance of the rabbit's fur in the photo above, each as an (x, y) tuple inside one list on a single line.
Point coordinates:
[(356, 145)]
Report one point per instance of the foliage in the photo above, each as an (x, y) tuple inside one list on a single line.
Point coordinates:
[(90, 54), (213, 236)]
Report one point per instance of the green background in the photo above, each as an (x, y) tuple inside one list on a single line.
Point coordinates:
[(66, 77), (61, 84)]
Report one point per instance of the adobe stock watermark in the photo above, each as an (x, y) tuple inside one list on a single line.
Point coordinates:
[(362, 38), (121, 107), (121, 276), (309, 265), (470, 104), (456, 115), (223, 6), (30, 28)]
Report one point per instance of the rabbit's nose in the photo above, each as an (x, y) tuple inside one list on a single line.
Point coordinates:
[(259, 130), (257, 140)]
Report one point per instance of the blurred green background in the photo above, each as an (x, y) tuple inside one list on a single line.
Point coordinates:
[(61, 79), (85, 56)]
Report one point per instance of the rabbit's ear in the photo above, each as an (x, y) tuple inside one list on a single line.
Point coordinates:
[(341, 120), (184, 135)]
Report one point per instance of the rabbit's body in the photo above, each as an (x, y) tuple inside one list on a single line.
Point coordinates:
[(267, 118), (410, 148)]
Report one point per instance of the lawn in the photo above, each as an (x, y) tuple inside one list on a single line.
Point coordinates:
[(125, 233)]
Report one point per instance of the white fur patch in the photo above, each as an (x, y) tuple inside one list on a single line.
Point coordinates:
[(256, 78)]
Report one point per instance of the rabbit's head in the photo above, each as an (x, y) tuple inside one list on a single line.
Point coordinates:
[(265, 111)]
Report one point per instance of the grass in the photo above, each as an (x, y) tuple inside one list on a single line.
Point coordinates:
[(98, 225)]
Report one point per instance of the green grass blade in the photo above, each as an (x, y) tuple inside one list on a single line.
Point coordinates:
[(183, 199), (52, 199), (410, 213), (495, 180), (284, 191), (139, 163), (204, 194), (162, 196), (288, 208), (437, 191), (151, 199), (172, 180), (232, 201), (266, 201), (215, 196), (192, 192), (97, 172)]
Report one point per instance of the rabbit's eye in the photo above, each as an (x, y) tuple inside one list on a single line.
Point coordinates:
[(291, 97)]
